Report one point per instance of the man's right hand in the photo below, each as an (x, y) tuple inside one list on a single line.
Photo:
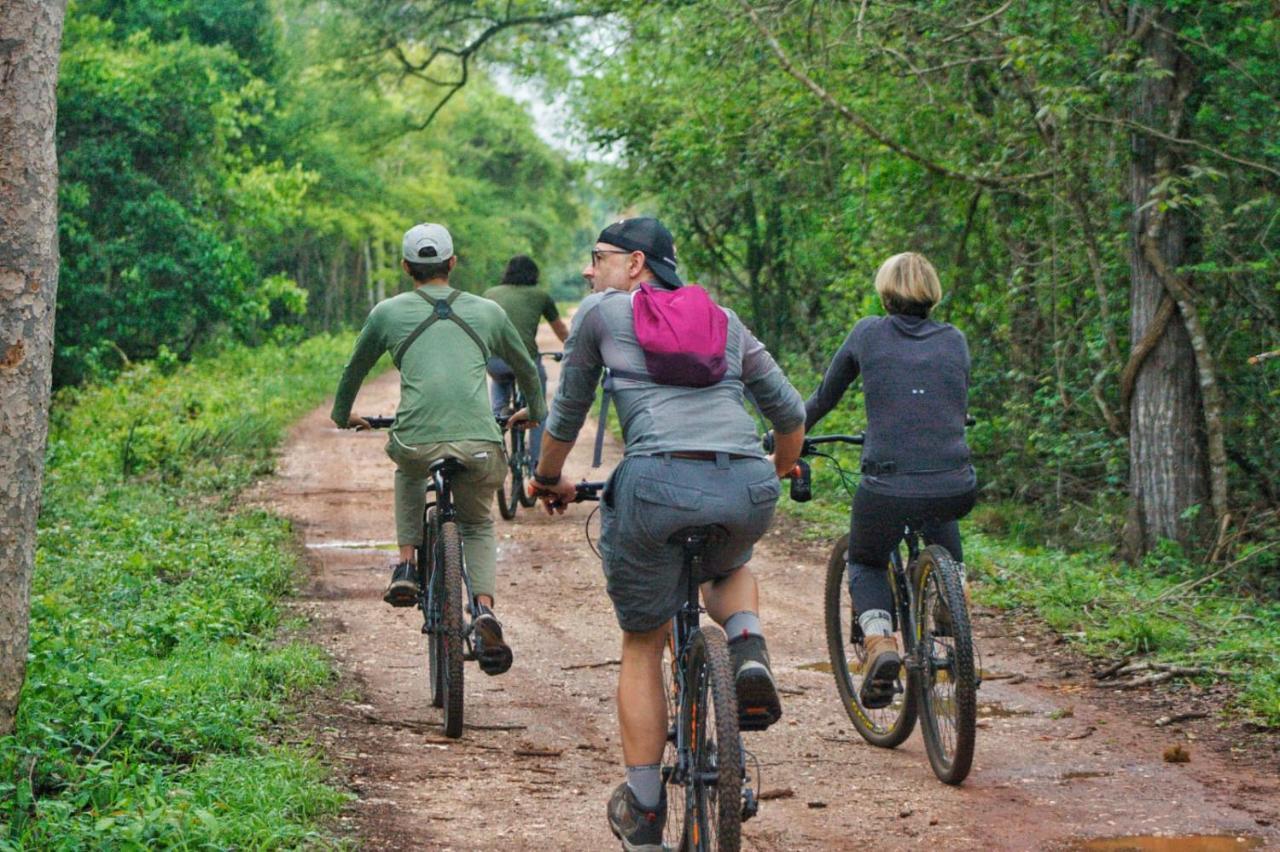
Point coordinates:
[(355, 421), (555, 498)]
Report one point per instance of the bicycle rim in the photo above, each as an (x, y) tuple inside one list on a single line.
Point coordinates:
[(886, 727), (947, 685), (714, 821), (509, 490), (524, 472), (449, 549)]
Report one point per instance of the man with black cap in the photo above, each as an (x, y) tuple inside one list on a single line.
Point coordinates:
[(440, 339), (692, 457)]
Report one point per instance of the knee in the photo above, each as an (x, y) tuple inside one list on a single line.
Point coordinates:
[(645, 643)]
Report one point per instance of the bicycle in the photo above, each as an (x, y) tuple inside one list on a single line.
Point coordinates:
[(512, 493), (931, 615), (705, 753), (442, 576)]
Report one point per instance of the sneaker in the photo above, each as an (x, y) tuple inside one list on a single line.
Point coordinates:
[(758, 703), (403, 590), (640, 830), (879, 677), (492, 653)]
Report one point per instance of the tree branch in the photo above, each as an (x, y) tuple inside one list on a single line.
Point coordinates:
[(875, 133), (1186, 143)]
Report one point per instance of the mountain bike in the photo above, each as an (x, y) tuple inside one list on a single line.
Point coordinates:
[(704, 760), (938, 681), (442, 577), (512, 493)]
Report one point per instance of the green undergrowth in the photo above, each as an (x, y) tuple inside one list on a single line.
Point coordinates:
[(157, 704)]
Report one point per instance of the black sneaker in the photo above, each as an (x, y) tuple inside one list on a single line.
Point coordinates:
[(492, 653), (403, 590), (640, 830), (758, 703)]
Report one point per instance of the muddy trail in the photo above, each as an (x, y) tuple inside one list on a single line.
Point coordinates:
[(1061, 763)]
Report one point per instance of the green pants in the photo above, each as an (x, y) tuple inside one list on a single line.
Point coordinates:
[(473, 489)]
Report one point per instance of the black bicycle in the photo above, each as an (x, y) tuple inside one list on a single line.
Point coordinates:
[(704, 757), (442, 577), (938, 681), (512, 493)]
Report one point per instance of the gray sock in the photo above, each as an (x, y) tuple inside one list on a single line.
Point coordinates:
[(741, 624), (876, 622), (646, 783)]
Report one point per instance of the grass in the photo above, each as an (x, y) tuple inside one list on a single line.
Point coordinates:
[(160, 675)]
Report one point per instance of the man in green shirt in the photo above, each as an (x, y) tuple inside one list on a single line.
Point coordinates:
[(443, 412), (526, 305)]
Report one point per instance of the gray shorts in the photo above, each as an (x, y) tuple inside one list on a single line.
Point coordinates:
[(650, 497)]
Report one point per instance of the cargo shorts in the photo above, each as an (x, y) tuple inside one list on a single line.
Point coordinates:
[(648, 498)]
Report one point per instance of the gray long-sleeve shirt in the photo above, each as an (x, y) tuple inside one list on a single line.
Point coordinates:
[(665, 418), (915, 377)]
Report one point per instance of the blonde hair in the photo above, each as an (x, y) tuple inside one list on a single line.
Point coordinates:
[(908, 284)]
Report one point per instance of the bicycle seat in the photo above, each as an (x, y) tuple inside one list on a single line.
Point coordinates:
[(700, 539), (448, 466)]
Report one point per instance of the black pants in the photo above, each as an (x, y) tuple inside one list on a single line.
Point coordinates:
[(875, 529)]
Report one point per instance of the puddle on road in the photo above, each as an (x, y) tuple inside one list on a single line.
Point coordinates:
[(1155, 843), (823, 666), (351, 545)]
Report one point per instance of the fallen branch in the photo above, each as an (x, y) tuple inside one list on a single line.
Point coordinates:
[(1111, 670), (1263, 356), (538, 752), (591, 665), (1180, 717)]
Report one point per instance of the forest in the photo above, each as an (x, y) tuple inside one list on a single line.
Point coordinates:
[(1097, 183)]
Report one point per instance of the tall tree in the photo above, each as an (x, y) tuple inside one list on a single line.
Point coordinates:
[(30, 34)]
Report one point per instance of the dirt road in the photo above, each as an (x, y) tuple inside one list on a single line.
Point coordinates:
[(1058, 761)]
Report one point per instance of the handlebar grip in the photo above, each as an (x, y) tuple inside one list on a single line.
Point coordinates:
[(767, 441)]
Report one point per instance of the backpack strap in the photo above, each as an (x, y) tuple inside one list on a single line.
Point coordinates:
[(606, 386), (442, 309)]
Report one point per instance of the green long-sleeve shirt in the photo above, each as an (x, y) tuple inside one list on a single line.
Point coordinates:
[(443, 392)]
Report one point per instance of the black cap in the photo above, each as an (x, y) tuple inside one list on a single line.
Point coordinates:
[(650, 236)]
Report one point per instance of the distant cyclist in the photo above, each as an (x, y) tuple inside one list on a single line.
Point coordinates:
[(526, 304), (915, 463), (440, 339), (692, 458)]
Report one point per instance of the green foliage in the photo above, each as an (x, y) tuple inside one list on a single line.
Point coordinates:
[(156, 663)]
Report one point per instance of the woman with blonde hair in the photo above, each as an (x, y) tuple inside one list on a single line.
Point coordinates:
[(915, 463)]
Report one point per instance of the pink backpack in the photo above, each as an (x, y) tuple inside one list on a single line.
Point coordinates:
[(683, 334)]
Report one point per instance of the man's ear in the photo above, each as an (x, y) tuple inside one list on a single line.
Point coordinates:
[(453, 261), (404, 264)]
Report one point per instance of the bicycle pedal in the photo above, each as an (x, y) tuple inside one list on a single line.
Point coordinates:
[(754, 721)]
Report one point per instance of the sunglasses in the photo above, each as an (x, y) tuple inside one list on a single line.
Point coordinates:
[(596, 254)]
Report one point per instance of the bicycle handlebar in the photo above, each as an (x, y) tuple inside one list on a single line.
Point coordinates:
[(380, 422), (813, 441), (554, 356)]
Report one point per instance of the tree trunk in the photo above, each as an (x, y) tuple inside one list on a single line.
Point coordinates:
[(1167, 462), (30, 35)]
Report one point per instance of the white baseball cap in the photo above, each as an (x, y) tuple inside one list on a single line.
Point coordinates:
[(427, 243)]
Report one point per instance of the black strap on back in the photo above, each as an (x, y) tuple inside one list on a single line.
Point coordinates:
[(441, 309), (606, 385)]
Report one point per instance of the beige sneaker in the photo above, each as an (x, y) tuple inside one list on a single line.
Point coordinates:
[(880, 675)]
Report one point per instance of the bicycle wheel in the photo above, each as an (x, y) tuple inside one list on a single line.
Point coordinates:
[(513, 482), (449, 550), (948, 690), (886, 727), (435, 650), (710, 719)]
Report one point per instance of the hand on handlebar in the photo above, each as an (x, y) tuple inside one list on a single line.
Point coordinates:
[(555, 498), (355, 421), (520, 420)]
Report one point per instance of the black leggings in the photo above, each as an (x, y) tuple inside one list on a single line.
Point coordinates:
[(875, 528)]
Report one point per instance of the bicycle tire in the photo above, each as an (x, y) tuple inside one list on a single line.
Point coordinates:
[(947, 681), (890, 726), (435, 651), (449, 549), (714, 822), (513, 480)]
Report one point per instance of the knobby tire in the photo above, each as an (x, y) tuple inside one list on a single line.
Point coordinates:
[(449, 550), (887, 727), (509, 492), (947, 684), (714, 795)]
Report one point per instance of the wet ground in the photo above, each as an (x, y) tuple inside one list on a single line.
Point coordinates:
[(1060, 763)]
